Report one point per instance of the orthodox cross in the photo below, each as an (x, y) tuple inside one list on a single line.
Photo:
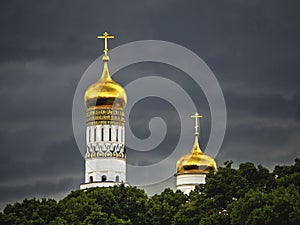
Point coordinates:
[(105, 37), (196, 117)]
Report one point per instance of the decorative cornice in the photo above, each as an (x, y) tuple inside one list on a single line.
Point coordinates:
[(104, 150), (105, 117)]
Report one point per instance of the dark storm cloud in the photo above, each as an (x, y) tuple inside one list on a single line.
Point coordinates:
[(251, 46), (38, 189), (260, 145), (57, 30), (35, 90), (268, 106), (38, 161)]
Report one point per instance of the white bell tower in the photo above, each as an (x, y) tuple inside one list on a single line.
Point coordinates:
[(105, 158), (192, 168)]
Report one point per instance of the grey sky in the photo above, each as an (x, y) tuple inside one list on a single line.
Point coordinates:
[(251, 46)]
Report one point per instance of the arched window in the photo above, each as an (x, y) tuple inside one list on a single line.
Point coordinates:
[(91, 179), (103, 178), (117, 179), (109, 134), (121, 134), (117, 134)]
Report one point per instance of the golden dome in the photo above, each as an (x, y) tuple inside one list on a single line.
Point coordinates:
[(105, 92), (196, 161)]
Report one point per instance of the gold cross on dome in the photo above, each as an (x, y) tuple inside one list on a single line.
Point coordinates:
[(196, 117), (105, 37)]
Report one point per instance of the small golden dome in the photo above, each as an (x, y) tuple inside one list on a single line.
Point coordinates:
[(105, 92), (195, 162)]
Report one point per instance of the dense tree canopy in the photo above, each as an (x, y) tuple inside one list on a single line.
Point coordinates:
[(247, 195)]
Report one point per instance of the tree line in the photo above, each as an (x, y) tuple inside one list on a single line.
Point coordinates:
[(247, 195)]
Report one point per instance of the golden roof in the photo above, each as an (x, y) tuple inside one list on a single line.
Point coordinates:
[(105, 92), (195, 161)]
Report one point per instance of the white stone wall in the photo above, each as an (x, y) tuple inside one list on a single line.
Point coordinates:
[(110, 167), (105, 133), (187, 182), (103, 139)]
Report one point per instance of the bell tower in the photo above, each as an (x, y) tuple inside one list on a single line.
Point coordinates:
[(191, 169), (105, 101)]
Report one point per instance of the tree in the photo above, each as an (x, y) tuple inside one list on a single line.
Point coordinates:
[(163, 207), (286, 175), (76, 207), (30, 211), (225, 186), (280, 207), (247, 195), (259, 177)]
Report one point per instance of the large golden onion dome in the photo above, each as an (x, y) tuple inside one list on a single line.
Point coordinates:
[(195, 161), (105, 92)]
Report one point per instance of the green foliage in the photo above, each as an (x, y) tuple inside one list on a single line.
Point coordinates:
[(281, 206), (287, 175), (248, 195), (162, 207)]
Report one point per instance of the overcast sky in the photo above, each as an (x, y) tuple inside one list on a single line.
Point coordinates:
[(252, 47)]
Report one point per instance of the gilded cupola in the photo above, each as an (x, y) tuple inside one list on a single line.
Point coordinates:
[(105, 92), (195, 161)]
